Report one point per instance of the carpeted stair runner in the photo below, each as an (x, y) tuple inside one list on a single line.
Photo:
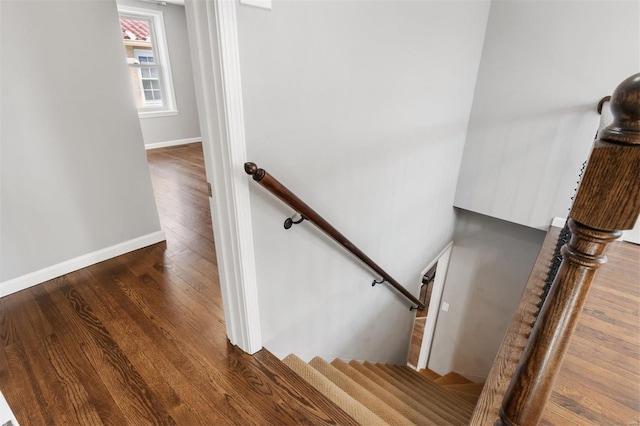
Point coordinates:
[(384, 394), (387, 392), (452, 378), (469, 391), (451, 401), (392, 411), (443, 403), (355, 409), (457, 384)]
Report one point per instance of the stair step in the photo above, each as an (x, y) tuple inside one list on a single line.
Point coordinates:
[(469, 388), (429, 374), (435, 391), (425, 384), (473, 399), (411, 409), (452, 378), (438, 399), (384, 394), (469, 391), (355, 409), (442, 401), (426, 411), (390, 411)]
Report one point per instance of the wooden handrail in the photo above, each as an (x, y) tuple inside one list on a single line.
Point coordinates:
[(289, 198), (601, 103), (608, 201)]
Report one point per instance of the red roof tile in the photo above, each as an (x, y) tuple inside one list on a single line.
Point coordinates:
[(134, 29)]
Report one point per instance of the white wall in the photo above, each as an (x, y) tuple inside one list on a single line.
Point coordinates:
[(185, 125), (73, 168), (490, 264), (545, 65), (361, 108)]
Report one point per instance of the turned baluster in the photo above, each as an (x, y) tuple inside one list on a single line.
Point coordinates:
[(607, 202)]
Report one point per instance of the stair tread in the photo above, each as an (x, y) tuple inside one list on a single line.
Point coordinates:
[(428, 385), (452, 378), (383, 394), (387, 409), (353, 408), (466, 396), (424, 412), (470, 388), (429, 374), (439, 399), (289, 386)]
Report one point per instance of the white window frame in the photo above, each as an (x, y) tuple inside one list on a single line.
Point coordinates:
[(138, 53), (161, 51)]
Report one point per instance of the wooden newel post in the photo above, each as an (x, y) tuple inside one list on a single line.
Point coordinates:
[(607, 202)]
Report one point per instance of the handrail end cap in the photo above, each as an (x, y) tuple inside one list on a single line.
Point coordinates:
[(250, 168)]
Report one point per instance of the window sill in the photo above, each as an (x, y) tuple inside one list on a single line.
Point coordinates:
[(152, 114)]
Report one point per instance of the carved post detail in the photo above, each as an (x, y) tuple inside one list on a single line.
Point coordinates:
[(607, 202)]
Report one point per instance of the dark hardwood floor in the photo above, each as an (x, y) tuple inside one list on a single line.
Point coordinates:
[(140, 339)]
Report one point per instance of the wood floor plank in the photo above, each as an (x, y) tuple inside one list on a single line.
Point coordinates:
[(24, 394), (136, 400), (140, 339), (169, 372)]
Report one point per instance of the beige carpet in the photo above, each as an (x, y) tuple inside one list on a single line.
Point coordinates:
[(384, 394)]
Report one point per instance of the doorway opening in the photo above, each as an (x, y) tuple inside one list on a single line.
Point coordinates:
[(432, 281)]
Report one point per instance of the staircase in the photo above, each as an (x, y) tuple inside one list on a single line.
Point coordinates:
[(454, 382), (378, 394)]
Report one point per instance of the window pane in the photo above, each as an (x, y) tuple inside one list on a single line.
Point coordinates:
[(146, 60), (139, 36)]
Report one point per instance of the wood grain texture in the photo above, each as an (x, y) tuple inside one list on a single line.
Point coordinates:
[(599, 380), (140, 339), (607, 202), (504, 366), (531, 385), (416, 341)]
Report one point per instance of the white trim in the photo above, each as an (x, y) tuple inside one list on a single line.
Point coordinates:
[(159, 43), (25, 281), (176, 142), (558, 222), (6, 415), (213, 37), (154, 114), (434, 304)]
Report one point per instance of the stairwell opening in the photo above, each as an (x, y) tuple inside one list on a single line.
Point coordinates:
[(432, 281)]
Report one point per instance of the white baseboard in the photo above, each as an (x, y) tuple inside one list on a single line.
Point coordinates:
[(25, 281), (171, 143), (6, 415)]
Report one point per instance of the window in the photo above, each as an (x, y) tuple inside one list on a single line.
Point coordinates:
[(149, 77), (148, 60)]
